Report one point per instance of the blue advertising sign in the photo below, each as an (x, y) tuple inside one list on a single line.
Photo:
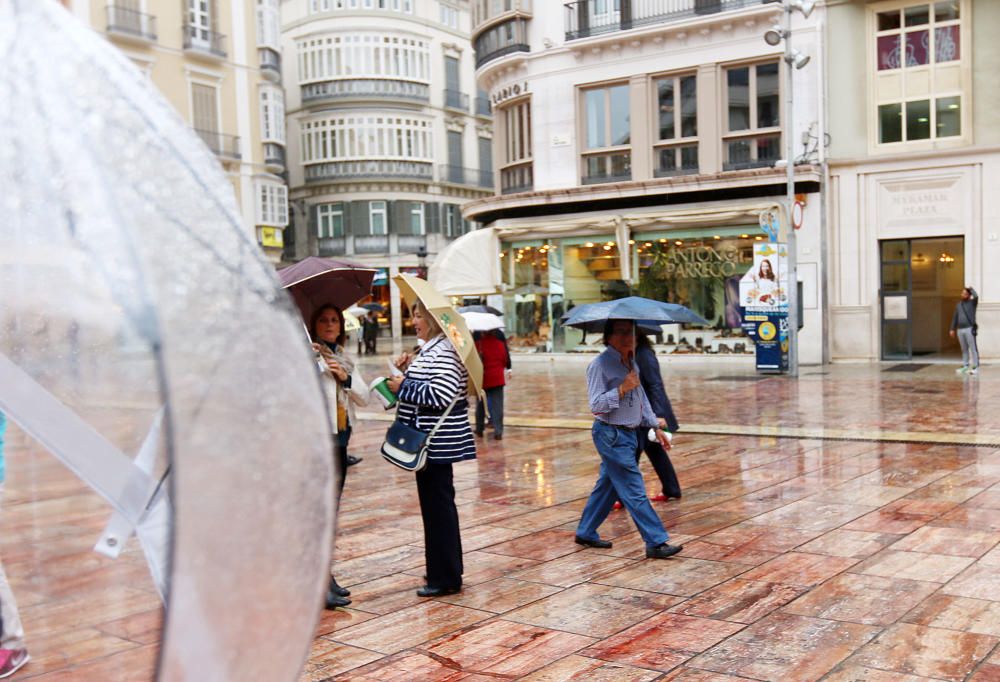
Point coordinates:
[(770, 335)]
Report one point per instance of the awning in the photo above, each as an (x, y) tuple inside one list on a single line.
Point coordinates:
[(469, 266)]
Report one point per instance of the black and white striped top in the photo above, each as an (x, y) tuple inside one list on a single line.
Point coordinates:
[(432, 381)]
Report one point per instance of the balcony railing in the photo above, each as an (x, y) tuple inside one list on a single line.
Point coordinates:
[(130, 22), (586, 18), (458, 175), (332, 246), (270, 63), (519, 178), (752, 152), (456, 99), (225, 146), (313, 93), (274, 154), (371, 243), (503, 39), (350, 170), (483, 107), (676, 160), (411, 243), (200, 39)]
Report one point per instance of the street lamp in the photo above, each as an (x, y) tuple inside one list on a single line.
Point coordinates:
[(794, 60)]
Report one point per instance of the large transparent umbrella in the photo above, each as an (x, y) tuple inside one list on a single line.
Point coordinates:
[(145, 343)]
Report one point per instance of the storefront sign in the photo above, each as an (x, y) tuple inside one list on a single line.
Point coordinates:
[(509, 92), (701, 262), (271, 236)]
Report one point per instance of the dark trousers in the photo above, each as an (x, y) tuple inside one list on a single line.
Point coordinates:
[(370, 345), (442, 539), (340, 441), (661, 464), (494, 400)]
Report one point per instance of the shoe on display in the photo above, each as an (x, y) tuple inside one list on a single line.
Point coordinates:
[(664, 551), (12, 660), (596, 544)]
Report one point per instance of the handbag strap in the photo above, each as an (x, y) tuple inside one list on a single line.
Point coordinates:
[(441, 420)]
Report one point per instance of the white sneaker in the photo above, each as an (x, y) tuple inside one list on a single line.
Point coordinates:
[(962, 370), (973, 370)]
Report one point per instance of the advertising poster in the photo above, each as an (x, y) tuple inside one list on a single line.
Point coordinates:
[(764, 287)]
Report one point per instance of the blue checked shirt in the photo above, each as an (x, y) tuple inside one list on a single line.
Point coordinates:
[(604, 375)]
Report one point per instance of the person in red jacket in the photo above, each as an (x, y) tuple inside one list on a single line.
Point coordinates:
[(492, 347)]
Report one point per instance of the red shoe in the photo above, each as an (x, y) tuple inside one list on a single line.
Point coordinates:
[(658, 498), (616, 506), (12, 660)]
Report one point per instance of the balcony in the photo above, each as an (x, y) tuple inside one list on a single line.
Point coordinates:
[(483, 107), (224, 146), (274, 157), (411, 243), (585, 18), (455, 99), (759, 151), (332, 246), (316, 93), (517, 178), (200, 40), (485, 12), (359, 170), (270, 63), (125, 21), (510, 37), (472, 177), (371, 243), (676, 160)]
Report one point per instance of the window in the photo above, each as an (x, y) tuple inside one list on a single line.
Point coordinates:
[(753, 101), (452, 220), (366, 136), (272, 114), (918, 80), (676, 152), (268, 24), (199, 20), (330, 220), (506, 38), (514, 123), (607, 156), (449, 15), (417, 218), (272, 204), (377, 217), (363, 55), (405, 6), (205, 107)]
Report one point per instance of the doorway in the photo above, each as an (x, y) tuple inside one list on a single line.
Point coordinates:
[(920, 282)]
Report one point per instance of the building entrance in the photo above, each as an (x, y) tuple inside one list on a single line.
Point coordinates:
[(919, 286)]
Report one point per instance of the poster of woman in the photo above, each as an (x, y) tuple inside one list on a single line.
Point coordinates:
[(764, 286)]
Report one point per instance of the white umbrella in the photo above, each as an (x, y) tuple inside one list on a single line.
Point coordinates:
[(155, 330), (482, 322)]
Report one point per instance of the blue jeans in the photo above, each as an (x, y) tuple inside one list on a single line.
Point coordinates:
[(620, 479), (494, 399)]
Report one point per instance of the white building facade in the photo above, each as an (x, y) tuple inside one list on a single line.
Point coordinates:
[(635, 149), (387, 137), (914, 166)]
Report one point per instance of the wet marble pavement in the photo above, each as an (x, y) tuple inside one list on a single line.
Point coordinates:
[(806, 558)]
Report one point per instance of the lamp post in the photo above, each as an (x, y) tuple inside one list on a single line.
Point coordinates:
[(794, 60)]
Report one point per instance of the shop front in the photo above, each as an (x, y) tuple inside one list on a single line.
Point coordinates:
[(697, 267)]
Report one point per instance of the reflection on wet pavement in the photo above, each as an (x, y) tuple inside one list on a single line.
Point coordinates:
[(807, 556)]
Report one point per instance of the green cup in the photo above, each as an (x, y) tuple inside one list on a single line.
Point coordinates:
[(381, 388)]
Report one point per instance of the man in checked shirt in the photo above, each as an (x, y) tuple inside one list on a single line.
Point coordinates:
[(622, 415)]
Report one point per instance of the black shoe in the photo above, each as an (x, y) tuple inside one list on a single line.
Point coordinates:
[(333, 601), (497, 436), (428, 591), (337, 589), (479, 434), (352, 460), (597, 544), (664, 551)]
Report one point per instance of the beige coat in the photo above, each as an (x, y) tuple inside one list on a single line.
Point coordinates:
[(357, 394)]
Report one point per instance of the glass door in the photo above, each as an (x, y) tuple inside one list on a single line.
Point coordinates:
[(894, 298)]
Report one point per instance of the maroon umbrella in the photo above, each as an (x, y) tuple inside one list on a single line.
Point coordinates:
[(314, 282)]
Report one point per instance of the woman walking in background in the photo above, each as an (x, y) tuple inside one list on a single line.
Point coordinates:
[(652, 383), (435, 381), (344, 387), (496, 361)]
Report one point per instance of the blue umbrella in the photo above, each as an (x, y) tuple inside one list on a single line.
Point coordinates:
[(643, 311)]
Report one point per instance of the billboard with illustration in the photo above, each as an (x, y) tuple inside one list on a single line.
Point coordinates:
[(764, 287)]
